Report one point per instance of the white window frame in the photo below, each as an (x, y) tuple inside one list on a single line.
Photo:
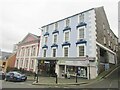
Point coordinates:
[(79, 21), (43, 52), (84, 50), (46, 29), (55, 26), (65, 22), (68, 50), (78, 33), (44, 40), (64, 35), (104, 40), (31, 64), (53, 38), (52, 51)]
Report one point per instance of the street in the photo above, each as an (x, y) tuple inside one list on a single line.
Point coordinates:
[(111, 81)]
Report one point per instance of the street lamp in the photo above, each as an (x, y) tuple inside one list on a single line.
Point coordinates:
[(88, 64)]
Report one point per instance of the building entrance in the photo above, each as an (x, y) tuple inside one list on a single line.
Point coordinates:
[(47, 68)]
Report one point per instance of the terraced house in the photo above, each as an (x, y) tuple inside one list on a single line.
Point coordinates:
[(27, 51), (81, 44)]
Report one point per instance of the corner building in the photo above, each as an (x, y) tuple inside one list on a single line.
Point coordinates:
[(81, 44)]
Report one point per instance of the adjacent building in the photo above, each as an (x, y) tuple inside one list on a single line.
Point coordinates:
[(82, 43), (27, 51), (7, 60)]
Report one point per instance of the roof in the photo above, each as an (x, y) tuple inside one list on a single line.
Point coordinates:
[(5, 55), (68, 17), (29, 34)]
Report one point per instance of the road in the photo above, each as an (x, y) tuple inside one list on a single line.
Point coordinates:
[(111, 81)]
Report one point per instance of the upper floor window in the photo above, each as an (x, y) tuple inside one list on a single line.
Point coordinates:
[(67, 22), (104, 40), (54, 52), (66, 36), (47, 28), (33, 51), (81, 50), (44, 52), (65, 51), (55, 39), (81, 18), (27, 51), (45, 39), (81, 33), (56, 25)]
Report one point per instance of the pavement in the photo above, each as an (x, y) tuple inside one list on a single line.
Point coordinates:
[(51, 81)]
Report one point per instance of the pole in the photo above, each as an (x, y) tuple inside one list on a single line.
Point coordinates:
[(37, 72), (89, 70), (76, 74), (56, 78)]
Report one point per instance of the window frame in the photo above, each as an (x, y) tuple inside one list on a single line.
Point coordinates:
[(68, 37), (78, 31), (78, 50), (64, 51)]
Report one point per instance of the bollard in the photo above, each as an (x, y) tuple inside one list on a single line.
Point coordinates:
[(56, 78), (76, 77)]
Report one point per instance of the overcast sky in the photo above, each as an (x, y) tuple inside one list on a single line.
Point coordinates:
[(19, 17)]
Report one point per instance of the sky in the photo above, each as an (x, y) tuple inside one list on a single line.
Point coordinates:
[(20, 17)]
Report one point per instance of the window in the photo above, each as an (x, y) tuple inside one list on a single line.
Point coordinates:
[(81, 50), (33, 51), (54, 52), (46, 39), (56, 26), (26, 63), (16, 63), (44, 53), (21, 63), (65, 51), (47, 27), (67, 22), (81, 33), (109, 43), (66, 36), (32, 63), (81, 18), (104, 40), (55, 39)]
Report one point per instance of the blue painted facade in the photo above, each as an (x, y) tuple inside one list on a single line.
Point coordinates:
[(88, 24)]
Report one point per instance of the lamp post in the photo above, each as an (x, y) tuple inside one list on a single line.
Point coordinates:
[(88, 64)]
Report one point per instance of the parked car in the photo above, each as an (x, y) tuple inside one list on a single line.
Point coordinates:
[(15, 76), (2, 75)]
